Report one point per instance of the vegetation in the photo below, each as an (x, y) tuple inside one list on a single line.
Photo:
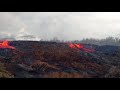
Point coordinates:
[(57, 60), (108, 41), (4, 73), (65, 75)]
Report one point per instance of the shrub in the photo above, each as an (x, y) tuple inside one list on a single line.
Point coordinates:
[(42, 66)]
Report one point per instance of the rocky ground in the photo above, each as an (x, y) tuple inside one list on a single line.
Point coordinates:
[(58, 60)]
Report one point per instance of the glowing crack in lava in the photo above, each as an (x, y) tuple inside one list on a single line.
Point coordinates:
[(5, 44), (81, 47)]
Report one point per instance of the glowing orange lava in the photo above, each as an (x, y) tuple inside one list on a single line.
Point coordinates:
[(80, 47), (5, 44)]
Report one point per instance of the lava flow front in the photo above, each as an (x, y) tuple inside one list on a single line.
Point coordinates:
[(80, 47), (5, 44)]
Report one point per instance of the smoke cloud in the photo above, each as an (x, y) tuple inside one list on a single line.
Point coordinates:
[(64, 25)]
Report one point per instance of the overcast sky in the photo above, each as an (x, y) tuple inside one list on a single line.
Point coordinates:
[(64, 25)]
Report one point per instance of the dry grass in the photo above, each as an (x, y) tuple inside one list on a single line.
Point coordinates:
[(42, 66), (65, 75), (114, 72), (4, 73)]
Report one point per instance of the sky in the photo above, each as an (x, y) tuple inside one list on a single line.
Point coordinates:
[(63, 25)]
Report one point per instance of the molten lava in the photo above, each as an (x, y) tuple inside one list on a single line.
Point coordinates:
[(81, 47), (5, 44)]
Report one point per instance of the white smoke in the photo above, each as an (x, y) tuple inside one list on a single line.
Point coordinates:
[(24, 35), (64, 25)]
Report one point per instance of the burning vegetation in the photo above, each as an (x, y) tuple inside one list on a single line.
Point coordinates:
[(5, 44), (81, 47), (30, 59)]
